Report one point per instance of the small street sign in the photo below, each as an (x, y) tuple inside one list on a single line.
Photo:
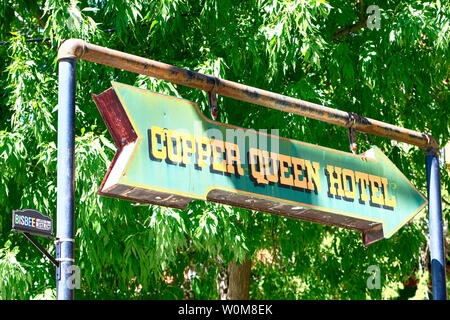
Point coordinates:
[(32, 222)]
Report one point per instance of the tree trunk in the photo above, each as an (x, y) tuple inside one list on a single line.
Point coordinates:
[(239, 280)]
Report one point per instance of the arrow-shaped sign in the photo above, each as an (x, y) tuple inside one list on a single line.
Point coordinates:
[(170, 154)]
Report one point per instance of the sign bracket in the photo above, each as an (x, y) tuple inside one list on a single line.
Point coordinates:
[(32, 222), (41, 249)]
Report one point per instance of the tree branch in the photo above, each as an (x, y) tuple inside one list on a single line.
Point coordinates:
[(354, 27), (350, 29)]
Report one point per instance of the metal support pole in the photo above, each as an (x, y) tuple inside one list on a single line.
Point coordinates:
[(437, 256), (65, 178)]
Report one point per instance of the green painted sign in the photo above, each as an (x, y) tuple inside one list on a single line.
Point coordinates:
[(169, 154)]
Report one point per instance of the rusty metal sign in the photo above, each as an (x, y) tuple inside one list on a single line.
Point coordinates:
[(170, 154)]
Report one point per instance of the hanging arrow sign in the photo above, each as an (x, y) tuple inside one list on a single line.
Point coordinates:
[(170, 154)]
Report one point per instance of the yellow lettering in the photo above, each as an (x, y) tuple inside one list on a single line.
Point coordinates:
[(173, 137), (236, 157), (296, 163), (334, 181), (215, 145), (388, 202), (201, 152), (363, 180), (257, 175), (374, 190), (188, 151), (158, 132), (347, 173), (271, 176), (313, 175)]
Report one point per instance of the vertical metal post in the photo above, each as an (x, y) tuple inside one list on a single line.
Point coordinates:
[(65, 178), (437, 256)]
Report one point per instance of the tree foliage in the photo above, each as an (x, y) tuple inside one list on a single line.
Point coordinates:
[(314, 50)]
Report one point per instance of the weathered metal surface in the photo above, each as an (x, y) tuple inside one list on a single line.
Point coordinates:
[(82, 50), (152, 168), (123, 134), (115, 118)]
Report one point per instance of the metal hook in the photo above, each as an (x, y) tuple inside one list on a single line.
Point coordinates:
[(352, 132)]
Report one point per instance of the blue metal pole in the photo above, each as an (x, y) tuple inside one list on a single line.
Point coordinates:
[(437, 256), (65, 179)]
